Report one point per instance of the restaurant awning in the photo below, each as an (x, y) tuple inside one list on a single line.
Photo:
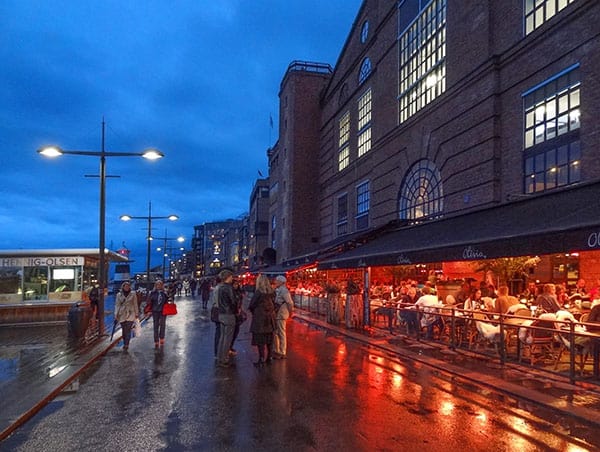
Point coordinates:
[(561, 221)]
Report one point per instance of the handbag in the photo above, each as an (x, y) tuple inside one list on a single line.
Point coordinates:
[(214, 314), (169, 309)]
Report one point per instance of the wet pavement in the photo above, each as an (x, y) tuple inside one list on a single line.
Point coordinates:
[(36, 364)]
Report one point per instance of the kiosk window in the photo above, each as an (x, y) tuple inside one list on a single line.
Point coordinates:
[(35, 283)]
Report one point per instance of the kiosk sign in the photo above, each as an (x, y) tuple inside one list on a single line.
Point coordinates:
[(57, 261)]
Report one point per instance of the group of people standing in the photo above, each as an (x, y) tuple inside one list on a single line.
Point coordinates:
[(270, 308)]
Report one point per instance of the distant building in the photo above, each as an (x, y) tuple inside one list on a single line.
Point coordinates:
[(258, 224)]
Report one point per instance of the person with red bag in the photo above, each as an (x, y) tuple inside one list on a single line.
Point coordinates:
[(157, 298)]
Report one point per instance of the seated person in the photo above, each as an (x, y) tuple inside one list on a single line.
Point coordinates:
[(429, 304), (409, 316), (504, 300), (593, 319), (547, 300)]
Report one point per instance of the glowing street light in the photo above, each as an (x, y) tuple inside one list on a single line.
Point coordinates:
[(149, 218), (55, 151)]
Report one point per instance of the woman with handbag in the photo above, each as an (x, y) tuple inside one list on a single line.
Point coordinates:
[(126, 311), (157, 298), (262, 327)]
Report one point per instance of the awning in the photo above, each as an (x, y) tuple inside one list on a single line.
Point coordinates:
[(561, 221)]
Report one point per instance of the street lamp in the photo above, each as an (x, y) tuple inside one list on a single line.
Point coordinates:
[(55, 151), (166, 250), (149, 218)]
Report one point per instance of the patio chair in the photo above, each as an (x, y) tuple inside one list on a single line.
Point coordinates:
[(537, 338), (581, 345)]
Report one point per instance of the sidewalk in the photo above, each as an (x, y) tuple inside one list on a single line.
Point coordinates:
[(37, 363)]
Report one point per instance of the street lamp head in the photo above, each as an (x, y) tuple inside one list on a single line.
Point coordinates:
[(181, 239), (50, 151), (173, 217), (125, 217), (152, 154)]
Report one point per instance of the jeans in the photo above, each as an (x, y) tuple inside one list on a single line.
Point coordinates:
[(126, 330), (227, 327), (159, 322)]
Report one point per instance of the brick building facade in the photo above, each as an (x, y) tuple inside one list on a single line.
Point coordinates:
[(433, 110)]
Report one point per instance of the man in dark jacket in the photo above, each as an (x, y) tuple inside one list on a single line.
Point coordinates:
[(227, 310)]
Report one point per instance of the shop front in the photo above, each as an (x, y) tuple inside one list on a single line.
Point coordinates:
[(30, 277)]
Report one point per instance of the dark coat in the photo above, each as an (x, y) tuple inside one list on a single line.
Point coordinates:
[(262, 306)]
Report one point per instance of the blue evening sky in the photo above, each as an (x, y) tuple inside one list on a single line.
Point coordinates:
[(197, 79)]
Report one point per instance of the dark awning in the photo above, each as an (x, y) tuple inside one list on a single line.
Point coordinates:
[(561, 221)]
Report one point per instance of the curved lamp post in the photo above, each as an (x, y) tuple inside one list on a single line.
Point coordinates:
[(149, 218), (55, 151)]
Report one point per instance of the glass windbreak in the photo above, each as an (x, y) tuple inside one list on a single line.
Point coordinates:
[(10, 284), (35, 283)]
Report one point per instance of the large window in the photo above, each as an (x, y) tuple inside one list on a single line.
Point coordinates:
[(364, 123), (362, 206), (344, 142), (539, 11), (552, 156), (421, 193), (422, 59), (342, 214)]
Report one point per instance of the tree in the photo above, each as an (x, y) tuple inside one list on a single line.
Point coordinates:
[(507, 268)]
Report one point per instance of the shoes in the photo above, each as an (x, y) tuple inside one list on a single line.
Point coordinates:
[(259, 363), (278, 356), (162, 342), (125, 348), (156, 345), (223, 364), (232, 352)]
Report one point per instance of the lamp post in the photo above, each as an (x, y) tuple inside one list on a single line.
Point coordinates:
[(55, 151), (166, 250), (149, 218)]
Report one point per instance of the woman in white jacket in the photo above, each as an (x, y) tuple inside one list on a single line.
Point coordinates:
[(126, 311)]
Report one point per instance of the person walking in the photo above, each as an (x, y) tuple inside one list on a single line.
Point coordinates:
[(214, 313), (284, 307), (227, 310), (262, 307), (126, 311), (205, 289), (157, 298)]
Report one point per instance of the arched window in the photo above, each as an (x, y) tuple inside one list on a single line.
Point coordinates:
[(365, 70), (364, 32), (421, 194)]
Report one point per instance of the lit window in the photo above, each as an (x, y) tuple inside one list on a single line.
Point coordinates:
[(362, 206), (421, 193), (552, 151), (539, 11), (344, 142), (364, 123), (423, 59)]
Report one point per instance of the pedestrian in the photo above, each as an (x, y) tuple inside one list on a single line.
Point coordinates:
[(240, 315), (262, 306), (126, 311), (214, 312), (94, 296), (186, 287), (284, 307), (205, 288), (157, 298), (193, 285), (227, 309)]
